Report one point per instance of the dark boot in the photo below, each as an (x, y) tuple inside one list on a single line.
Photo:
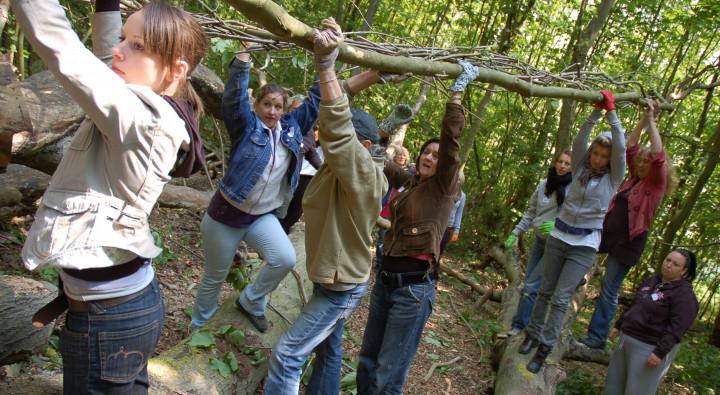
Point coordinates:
[(538, 359), (528, 344)]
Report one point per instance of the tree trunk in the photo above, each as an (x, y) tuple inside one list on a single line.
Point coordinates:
[(715, 335), (712, 154), (4, 7), (580, 51), (20, 298), (284, 27), (184, 369), (512, 377)]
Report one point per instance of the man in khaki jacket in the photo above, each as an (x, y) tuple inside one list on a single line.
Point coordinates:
[(341, 205)]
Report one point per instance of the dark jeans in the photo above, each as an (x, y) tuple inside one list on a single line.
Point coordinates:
[(106, 351), (395, 323), (295, 209), (533, 277), (606, 304)]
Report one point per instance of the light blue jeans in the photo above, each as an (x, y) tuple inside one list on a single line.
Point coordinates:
[(606, 305), (319, 327), (267, 237), (533, 277), (395, 324), (564, 267)]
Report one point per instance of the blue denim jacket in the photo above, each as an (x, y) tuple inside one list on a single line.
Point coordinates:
[(250, 151)]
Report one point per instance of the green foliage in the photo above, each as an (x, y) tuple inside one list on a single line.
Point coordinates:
[(696, 365), (581, 382), (158, 237), (202, 339), (238, 278), (221, 366), (49, 274)]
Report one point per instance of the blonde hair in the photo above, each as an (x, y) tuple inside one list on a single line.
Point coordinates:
[(173, 34), (671, 180)]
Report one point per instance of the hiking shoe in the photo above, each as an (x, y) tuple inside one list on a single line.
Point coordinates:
[(593, 343), (512, 332), (538, 359), (528, 344), (258, 321)]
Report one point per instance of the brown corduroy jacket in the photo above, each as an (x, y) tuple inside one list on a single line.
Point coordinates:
[(420, 213)]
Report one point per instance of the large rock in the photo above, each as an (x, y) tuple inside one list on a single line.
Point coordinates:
[(178, 196), (20, 298), (29, 182)]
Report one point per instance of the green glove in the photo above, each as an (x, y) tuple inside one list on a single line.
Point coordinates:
[(400, 115), (546, 227), (510, 240)]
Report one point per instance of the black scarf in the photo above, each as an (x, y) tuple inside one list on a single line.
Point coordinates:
[(556, 183), (191, 161)]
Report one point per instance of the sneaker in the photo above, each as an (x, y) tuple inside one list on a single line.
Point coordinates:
[(512, 332), (258, 321), (593, 343)]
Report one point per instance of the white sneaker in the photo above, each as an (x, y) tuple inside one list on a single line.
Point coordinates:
[(512, 332)]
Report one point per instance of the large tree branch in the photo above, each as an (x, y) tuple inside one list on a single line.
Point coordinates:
[(287, 28)]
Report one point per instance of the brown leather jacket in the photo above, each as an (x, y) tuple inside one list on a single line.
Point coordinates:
[(420, 213)]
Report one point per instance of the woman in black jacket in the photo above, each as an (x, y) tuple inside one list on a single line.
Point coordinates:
[(651, 328)]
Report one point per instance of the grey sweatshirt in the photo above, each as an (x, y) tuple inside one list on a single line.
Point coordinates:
[(585, 206)]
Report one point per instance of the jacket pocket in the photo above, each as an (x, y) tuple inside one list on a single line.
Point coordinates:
[(258, 142), (84, 137), (419, 236), (124, 354)]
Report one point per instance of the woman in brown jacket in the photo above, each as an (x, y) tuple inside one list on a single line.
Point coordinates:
[(404, 290)]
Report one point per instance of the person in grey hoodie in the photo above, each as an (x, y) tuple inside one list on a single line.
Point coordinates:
[(573, 243)]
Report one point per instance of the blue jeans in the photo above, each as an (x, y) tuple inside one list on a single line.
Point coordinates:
[(395, 323), (106, 350), (564, 265), (319, 327), (533, 277), (220, 242), (606, 305)]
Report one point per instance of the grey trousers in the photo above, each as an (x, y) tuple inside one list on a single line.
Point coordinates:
[(564, 265), (628, 374)]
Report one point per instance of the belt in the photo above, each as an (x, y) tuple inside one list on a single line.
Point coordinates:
[(563, 227), (397, 280), (108, 273), (77, 306)]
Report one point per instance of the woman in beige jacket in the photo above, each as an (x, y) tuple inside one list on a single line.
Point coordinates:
[(93, 219)]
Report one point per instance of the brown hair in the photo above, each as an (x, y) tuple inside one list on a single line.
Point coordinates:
[(273, 88), (671, 178), (174, 34)]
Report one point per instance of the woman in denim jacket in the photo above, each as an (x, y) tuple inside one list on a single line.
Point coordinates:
[(573, 243), (257, 188), (93, 219)]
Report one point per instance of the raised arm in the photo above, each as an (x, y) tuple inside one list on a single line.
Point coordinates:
[(580, 142), (237, 113), (100, 92), (618, 159)]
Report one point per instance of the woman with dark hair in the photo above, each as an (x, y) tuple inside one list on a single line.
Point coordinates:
[(630, 214), (92, 223), (573, 243), (652, 327), (544, 206), (404, 291)]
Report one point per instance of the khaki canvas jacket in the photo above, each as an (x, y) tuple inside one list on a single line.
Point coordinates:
[(342, 202), (120, 158), (419, 214)]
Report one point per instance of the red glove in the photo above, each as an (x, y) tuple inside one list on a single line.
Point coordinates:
[(608, 101)]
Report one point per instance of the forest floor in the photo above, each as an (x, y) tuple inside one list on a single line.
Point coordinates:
[(459, 330)]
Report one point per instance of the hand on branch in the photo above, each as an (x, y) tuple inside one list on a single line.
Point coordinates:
[(608, 101), (470, 72), (652, 109), (400, 115), (325, 44)]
